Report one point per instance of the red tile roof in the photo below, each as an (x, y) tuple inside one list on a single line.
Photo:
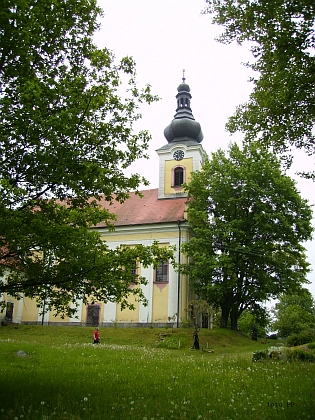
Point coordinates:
[(147, 209), (8, 258)]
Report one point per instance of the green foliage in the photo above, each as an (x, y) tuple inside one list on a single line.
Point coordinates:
[(303, 337), (247, 320), (294, 312), (259, 355), (280, 111), (276, 355), (292, 320), (311, 346), (302, 298), (276, 352), (66, 137), (283, 353), (249, 224), (300, 354)]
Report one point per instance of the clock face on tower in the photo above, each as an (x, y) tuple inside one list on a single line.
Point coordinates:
[(178, 155)]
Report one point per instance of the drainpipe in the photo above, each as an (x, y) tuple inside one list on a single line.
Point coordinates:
[(178, 277)]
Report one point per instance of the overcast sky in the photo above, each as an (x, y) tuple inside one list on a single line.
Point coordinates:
[(165, 37)]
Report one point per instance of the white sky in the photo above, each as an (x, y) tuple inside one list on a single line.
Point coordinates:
[(166, 36)]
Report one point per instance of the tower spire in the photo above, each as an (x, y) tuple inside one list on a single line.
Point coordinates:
[(183, 127)]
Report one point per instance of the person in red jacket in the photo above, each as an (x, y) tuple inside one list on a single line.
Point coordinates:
[(96, 336)]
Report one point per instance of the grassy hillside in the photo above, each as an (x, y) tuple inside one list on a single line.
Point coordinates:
[(50, 373), (219, 340)]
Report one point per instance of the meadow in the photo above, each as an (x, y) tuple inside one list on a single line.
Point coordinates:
[(49, 372)]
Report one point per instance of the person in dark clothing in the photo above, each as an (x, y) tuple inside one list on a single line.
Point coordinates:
[(196, 340)]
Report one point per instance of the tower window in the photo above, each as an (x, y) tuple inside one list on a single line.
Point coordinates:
[(178, 176)]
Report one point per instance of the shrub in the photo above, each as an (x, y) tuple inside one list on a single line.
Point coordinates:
[(305, 336), (259, 354), (276, 352), (311, 346), (300, 354)]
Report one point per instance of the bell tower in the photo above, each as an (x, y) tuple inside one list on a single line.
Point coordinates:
[(183, 153)]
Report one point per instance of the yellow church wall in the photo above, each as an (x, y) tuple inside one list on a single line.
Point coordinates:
[(53, 318), (30, 310), (137, 237), (160, 303), (84, 313), (169, 165), (127, 315), (24, 309), (184, 297)]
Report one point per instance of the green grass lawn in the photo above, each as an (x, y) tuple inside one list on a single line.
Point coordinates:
[(146, 374)]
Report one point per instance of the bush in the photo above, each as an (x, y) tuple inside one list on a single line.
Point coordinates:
[(305, 336), (259, 354), (311, 346), (276, 352), (300, 354)]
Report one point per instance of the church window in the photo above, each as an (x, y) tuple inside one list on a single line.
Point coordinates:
[(134, 271), (178, 176), (161, 273)]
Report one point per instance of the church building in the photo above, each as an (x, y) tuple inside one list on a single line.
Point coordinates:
[(157, 216)]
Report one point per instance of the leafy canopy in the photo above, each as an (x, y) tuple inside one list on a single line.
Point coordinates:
[(281, 109), (66, 137), (294, 313), (249, 222)]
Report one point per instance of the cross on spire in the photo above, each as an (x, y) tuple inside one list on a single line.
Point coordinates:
[(184, 76)]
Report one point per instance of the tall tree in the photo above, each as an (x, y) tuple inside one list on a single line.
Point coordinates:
[(66, 137), (249, 222), (281, 108), (294, 312)]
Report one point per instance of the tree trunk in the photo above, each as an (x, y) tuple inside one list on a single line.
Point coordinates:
[(224, 317), (234, 318)]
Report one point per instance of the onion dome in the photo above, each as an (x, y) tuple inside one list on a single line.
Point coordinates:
[(183, 127)]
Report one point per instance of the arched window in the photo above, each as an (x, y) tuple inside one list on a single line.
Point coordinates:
[(178, 176)]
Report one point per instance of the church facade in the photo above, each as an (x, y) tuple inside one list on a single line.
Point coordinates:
[(157, 216)]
